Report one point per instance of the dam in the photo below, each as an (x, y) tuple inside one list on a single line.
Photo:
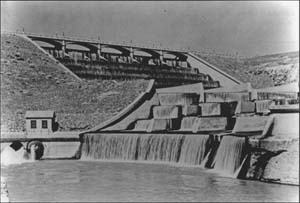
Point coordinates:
[(205, 131), (174, 126), (187, 126), (171, 135)]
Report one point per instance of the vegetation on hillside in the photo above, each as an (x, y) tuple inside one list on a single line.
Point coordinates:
[(261, 71)]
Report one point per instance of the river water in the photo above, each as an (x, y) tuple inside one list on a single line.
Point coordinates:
[(78, 180)]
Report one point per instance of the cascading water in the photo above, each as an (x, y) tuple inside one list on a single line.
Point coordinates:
[(185, 149), (230, 155), (159, 148), (193, 149), (205, 160), (110, 146), (132, 147)]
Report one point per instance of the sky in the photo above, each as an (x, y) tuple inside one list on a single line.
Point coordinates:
[(247, 28)]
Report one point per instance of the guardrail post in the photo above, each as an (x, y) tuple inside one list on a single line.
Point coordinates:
[(131, 55), (63, 48), (161, 57), (98, 51)]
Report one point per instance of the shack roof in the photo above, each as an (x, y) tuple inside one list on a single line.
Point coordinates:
[(39, 114)]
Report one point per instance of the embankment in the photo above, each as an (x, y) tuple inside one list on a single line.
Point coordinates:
[(31, 80)]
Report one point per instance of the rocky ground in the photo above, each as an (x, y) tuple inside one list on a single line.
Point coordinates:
[(261, 71), (30, 80)]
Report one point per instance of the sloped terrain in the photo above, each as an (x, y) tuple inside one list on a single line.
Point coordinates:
[(30, 80), (282, 68), (261, 71)]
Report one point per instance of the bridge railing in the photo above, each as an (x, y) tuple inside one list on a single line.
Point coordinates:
[(97, 40), (89, 39)]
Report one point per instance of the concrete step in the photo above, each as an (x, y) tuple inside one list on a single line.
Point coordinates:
[(250, 124), (191, 110), (178, 98), (142, 125), (262, 106), (153, 125), (166, 112), (225, 96), (187, 123), (245, 107), (210, 124), (218, 109), (210, 109)]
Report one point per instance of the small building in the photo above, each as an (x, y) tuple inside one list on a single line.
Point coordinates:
[(40, 122)]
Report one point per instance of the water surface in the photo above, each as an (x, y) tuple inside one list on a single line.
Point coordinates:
[(73, 180)]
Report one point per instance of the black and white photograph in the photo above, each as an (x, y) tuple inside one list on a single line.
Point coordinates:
[(149, 101)]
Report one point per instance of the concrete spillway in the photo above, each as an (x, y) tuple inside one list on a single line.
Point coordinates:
[(189, 126)]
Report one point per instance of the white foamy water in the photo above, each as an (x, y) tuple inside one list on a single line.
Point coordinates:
[(9, 156)]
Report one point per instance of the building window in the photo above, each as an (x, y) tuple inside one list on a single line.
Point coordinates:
[(33, 123), (44, 124)]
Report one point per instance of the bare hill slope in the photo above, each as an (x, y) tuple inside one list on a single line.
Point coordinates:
[(261, 71)]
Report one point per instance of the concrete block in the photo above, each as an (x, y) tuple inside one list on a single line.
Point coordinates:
[(210, 124), (187, 123), (210, 109), (283, 126), (142, 125), (250, 124), (164, 112), (225, 96), (262, 106), (178, 98), (190, 110), (218, 109), (245, 107), (163, 125)]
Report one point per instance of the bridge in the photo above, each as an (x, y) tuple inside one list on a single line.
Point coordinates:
[(93, 58), (97, 50)]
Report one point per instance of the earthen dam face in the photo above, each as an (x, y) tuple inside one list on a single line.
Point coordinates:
[(236, 134)]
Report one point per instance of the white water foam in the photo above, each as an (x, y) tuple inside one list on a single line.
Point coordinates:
[(9, 156)]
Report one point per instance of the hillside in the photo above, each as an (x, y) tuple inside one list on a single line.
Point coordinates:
[(261, 71), (282, 68), (30, 80)]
